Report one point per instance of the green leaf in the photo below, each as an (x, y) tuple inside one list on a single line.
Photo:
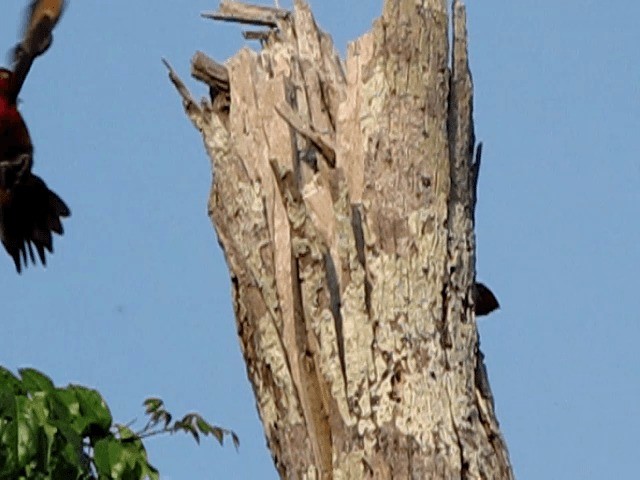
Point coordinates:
[(125, 433), (203, 426), (83, 409), (150, 472), (133, 454), (10, 383), (27, 426), (218, 433), (110, 458), (68, 443), (157, 416), (65, 406), (236, 440), (70, 456), (8, 447), (188, 419), (46, 442), (35, 381), (195, 434), (167, 419), (152, 404), (187, 425), (94, 410), (7, 404)]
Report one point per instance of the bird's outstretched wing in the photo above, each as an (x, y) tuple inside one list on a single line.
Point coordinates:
[(39, 21), (29, 213), (41, 17)]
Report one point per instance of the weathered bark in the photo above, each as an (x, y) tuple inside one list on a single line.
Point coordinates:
[(343, 198)]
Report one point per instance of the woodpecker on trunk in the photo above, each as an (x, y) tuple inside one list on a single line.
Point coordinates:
[(485, 301), (29, 211)]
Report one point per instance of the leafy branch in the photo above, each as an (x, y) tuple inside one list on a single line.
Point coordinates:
[(53, 432), (193, 423)]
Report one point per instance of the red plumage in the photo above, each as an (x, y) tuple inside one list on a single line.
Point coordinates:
[(29, 211)]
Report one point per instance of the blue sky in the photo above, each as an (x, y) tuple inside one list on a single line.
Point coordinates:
[(135, 302)]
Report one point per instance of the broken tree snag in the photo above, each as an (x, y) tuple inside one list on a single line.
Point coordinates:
[(343, 198)]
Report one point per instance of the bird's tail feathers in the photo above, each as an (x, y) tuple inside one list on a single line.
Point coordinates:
[(27, 218)]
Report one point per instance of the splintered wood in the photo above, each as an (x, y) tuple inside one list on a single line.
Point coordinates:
[(343, 198)]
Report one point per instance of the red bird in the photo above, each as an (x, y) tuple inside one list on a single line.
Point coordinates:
[(29, 211)]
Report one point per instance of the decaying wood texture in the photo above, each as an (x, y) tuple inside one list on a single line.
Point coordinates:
[(343, 197)]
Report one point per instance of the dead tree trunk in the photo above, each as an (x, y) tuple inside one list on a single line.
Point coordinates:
[(343, 198)]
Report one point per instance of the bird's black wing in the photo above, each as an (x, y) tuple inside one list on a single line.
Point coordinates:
[(29, 213)]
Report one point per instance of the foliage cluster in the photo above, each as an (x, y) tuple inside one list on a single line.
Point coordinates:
[(49, 432)]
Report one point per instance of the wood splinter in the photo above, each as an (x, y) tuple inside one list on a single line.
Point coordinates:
[(207, 70), (323, 144), (237, 12), (260, 35), (190, 105)]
